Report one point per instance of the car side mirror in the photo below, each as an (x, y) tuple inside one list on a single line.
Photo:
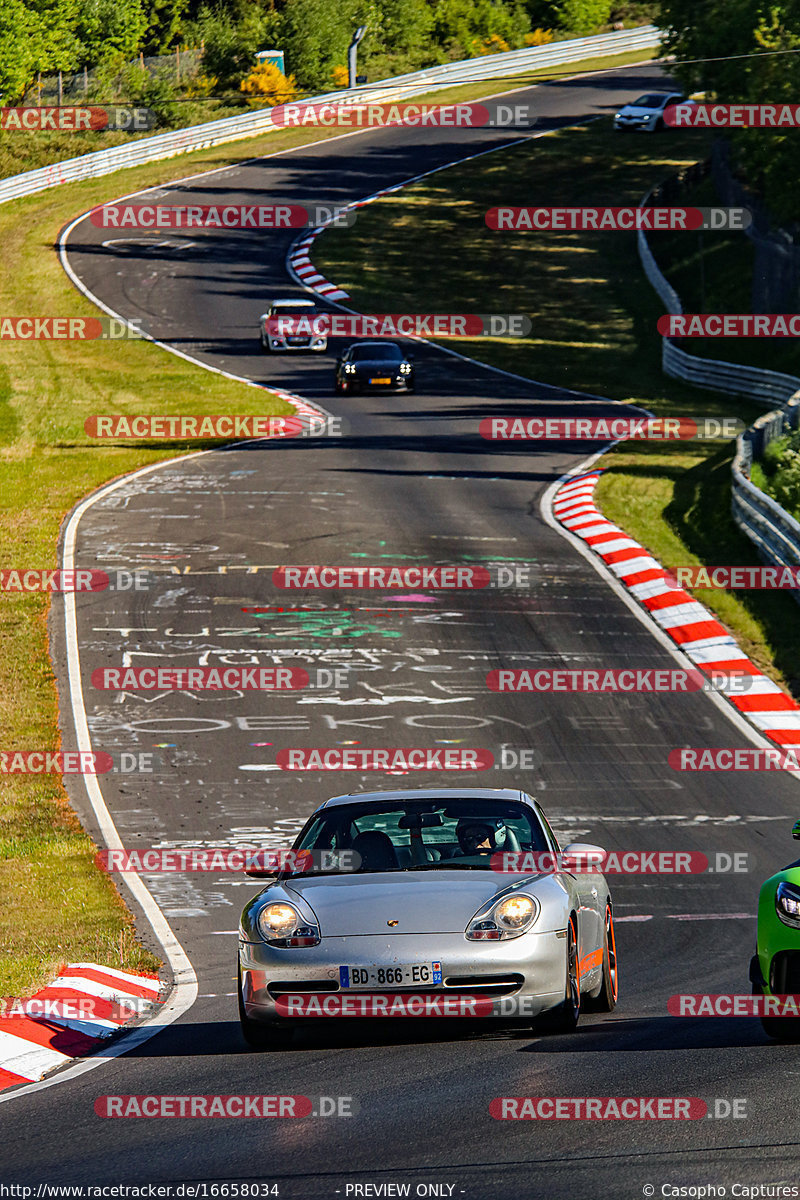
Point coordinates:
[(264, 873), (796, 831), (583, 855)]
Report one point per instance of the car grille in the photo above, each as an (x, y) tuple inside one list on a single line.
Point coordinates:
[(487, 985), (287, 987), (496, 985)]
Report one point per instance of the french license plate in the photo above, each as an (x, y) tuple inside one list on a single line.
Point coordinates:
[(399, 975), (380, 380)]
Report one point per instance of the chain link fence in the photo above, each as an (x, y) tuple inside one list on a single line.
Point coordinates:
[(177, 69)]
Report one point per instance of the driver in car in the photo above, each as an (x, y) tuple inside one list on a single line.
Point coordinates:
[(476, 837)]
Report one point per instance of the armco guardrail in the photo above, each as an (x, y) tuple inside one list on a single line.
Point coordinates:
[(763, 386), (775, 534), (533, 58), (215, 133)]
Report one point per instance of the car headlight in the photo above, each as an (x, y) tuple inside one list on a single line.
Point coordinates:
[(349, 368), (276, 341), (405, 368), (506, 919), (787, 904), (319, 341), (281, 925)]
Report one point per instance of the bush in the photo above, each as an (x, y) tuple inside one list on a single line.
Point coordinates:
[(267, 84), (153, 92), (540, 37), (781, 466), (491, 45)]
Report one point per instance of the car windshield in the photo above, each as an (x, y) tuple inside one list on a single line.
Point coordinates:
[(372, 351), (403, 835), (293, 310), (654, 100)]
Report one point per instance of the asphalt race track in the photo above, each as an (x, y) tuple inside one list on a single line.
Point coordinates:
[(410, 481)]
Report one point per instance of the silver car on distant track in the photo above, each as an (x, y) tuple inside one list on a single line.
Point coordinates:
[(425, 914)]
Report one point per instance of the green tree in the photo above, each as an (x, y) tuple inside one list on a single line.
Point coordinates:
[(746, 54), (460, 25), (583, 16), (109, 28), (18, 62)]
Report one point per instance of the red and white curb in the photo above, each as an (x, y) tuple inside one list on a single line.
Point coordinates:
[(690, 625), (302, 266), (31, 1047), (310, 416)]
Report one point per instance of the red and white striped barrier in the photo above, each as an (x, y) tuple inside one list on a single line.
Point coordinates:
[(31, 1047), (690, 625), (307, 273)]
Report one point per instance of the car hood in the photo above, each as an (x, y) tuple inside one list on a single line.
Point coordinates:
[(420, 902), (635, 110)]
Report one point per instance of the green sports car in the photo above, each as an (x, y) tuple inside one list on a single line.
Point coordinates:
[(775, 967)]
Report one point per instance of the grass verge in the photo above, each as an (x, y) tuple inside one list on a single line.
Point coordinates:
[(594, 329)]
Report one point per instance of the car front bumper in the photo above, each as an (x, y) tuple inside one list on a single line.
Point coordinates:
[(280, 348), (532, 967), (635, 123)]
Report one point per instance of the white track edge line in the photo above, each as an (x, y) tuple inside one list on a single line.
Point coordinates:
[(184, 980)]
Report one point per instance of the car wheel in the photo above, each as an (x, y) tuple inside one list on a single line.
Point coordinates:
[(262, 1035), (781, 1029), (659, 126), (265, 346), (564, 1019), (605, 1000), (411, 387)]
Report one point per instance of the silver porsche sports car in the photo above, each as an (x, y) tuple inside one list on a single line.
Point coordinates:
[(425, 903)]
